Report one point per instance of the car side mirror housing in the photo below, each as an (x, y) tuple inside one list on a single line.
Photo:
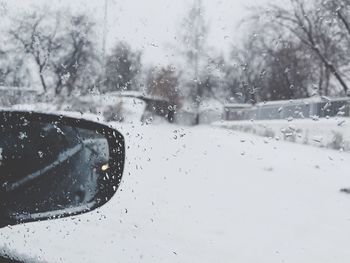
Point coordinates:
[(55, 166)]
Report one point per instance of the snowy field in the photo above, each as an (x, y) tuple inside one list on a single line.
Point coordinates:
[(333, 133), (206, 194)]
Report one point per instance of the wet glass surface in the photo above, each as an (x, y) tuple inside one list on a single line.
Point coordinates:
[(46, 167)]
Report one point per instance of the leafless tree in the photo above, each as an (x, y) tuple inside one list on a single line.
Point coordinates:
[(268, 65), (164, 83), (340, 10), (74, 65), (35, 34), (193, 33), (123, 66), (250, 69), (62, 46), (307, 22), (287, 74)]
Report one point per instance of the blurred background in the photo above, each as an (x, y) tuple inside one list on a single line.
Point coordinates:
[(185, 62)]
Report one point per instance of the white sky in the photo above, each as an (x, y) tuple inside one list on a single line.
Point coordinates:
[(151, 25)]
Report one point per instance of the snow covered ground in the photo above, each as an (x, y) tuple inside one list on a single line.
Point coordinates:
[(333, 133), (206, 194)]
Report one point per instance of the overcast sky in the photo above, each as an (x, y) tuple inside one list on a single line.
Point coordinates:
[(151, 25)]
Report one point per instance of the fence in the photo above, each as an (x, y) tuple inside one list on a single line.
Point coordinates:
[(303, 108)]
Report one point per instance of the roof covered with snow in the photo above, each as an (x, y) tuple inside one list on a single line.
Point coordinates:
[(314, 99)]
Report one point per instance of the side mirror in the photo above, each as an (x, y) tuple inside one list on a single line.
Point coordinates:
[(55, 166)]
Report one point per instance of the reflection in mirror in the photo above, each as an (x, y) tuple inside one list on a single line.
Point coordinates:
[(48, 167)]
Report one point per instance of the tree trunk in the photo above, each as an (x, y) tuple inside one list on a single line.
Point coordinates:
[(339, 78), (42, 80), (320, 81), (326, 88), (331, 68), (197, 119), (343, 19)]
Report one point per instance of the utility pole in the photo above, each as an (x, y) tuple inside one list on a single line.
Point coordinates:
[(198, 10), (196, 42), (105, 32)]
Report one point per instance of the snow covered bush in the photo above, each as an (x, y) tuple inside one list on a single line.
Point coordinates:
[(333, 133)]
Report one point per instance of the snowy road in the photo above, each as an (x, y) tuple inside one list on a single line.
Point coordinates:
[(207, 195)]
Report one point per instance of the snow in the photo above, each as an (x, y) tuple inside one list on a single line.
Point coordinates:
[(206, 194), (238, 105), (210, 111), (185, 117), (133, 109), (331, 133), (211, 105), (137, 94), (43, 107)]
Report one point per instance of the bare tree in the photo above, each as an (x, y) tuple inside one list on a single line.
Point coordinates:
[(214, 80), (164, 83), (35, 34), (73, 66), (60, 44), (269, 66), (308, 23), (122, 68), (193, 35), (287, 74), (250, 70), (340, 10)]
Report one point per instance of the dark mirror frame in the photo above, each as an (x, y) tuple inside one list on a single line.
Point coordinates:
[(108, 186)]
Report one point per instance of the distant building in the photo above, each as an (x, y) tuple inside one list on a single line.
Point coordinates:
[(321, 107)]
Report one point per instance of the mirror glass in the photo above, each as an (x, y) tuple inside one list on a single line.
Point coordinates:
[(48, 167)]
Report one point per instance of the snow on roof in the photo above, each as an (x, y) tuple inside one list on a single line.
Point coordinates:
[(122, 94), (238, 105), (43, 107), (98, 99), (314, 99), (211, 105), (129, 93), (137, 94)]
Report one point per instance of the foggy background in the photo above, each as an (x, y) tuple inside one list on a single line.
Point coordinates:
[(190, 62), (152, 25)]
